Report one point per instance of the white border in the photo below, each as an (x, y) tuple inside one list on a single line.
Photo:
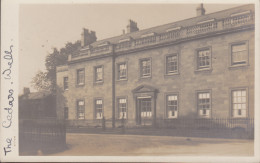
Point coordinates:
[(9, 33)]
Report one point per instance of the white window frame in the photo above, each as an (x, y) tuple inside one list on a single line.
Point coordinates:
[(202, 96), (174, 97), (81, 103), (98, 114), (240, 103)]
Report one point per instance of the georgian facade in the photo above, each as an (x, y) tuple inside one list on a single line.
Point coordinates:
[(201, 67)]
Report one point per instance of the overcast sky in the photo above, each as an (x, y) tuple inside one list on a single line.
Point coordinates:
[(42, 27)]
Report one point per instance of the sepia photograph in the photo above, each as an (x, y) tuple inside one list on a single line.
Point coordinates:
[(136, 79)]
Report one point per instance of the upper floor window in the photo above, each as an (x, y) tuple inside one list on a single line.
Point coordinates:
[(172, 106), (239, 54), (98, 108), (203, 58), (171, 64), (80, 109), (122, 113), (239, 103), (66, 83), (122, 71), (99, 74), (145, 67), (204, 104), (80, 77)]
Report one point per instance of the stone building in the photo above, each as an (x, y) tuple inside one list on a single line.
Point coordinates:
[(202, 67)]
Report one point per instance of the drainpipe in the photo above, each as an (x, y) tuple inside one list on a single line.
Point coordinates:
[(113, 87)]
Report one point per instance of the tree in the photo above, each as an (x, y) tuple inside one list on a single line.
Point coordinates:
[(54, 59), (40, 82)]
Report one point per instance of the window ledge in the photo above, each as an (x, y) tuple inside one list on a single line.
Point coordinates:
[(99, 83), (80, 85), (204, 70), (238, 66), (172, 74), (121, 80), (145, 77)]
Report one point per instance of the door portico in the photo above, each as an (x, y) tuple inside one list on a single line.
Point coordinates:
[(145, 104)]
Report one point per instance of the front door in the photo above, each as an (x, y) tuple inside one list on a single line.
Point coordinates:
[(143, 109)]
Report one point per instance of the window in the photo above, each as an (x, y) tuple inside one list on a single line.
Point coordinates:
[(239, 102), (239, 54), (80, 77), (98, 108), (122, 108), (204, 104), (203, 58), (66, 83), (99, 74), (122, 71), (171, 64), (146, 107), (66, 112), (145, 67), (172, 106), (80, 109)]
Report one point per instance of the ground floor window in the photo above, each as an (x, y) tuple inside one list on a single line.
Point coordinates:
[(98, 108), (122, 113), (80, 109), (146, 107), (172, 106), (204, 104), (239, 101)]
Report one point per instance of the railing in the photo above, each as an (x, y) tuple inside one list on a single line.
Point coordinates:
[(237, 20), (145, 41), (202, 28), (170, 35), (99, 49), (39, 134), (183, 32)]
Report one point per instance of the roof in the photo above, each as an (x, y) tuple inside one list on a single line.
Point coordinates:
[(36, 95), (183, 23)]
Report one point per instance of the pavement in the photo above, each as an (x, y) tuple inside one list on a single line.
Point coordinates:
[(85, 144)]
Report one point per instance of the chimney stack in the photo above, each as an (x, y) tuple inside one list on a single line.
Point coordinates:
[(132, 26), (87, 37), (26, 91), (200, 10)]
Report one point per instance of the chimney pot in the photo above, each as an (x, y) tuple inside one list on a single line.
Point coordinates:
[(200, 10)]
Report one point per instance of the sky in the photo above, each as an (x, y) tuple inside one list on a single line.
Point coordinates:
[(43, 27)]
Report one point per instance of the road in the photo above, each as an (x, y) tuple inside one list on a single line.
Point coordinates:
[(138, 145)]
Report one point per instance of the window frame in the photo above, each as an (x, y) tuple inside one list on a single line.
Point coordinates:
[(118, 71), (166, 104), (231, 101), (95, 108), (118, 109), (77, 77), (95, 74), (231, 65), (210, 103), (66, 88), (140, 67), (166, 64), (77, 106), (198, 68)]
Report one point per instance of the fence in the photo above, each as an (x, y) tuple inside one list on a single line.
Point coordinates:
[(41, 134), (214, 127)]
